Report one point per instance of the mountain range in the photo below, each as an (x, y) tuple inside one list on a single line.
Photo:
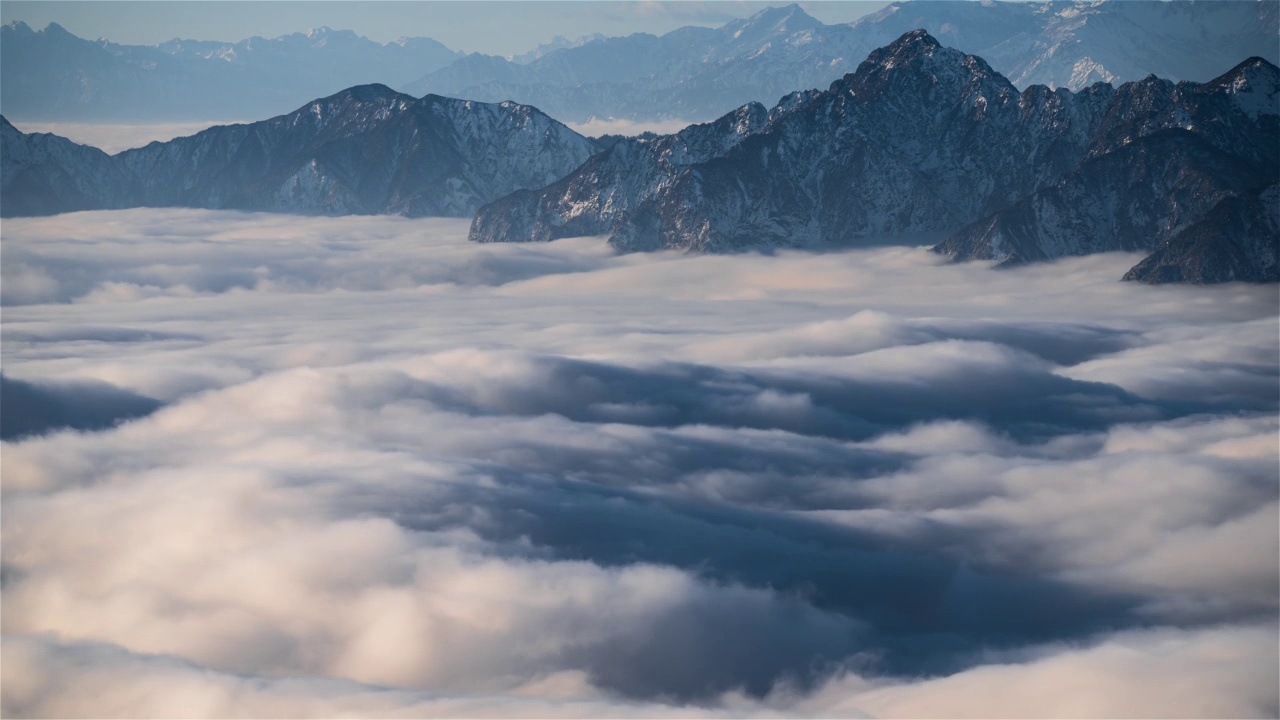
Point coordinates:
[(924, 140), (692, 73), (1162, 158), (698, 73), (921, 142), (365, 150), (51, 74)]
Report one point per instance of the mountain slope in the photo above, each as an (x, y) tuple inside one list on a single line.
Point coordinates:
[(920, 140), (1239, 239), (43, 174), (364, 150), (1162, 158), (890, 149), (609, 187)]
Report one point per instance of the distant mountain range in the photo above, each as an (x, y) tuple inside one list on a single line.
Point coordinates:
[(693, 73), (365, 150), (699, 73), (51, 74), (924, 140), (921, 141)]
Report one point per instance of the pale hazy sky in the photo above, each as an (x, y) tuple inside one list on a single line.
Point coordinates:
[(500, 27)]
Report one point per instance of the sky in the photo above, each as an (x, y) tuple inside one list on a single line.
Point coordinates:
[(467, 26), (281, 466)]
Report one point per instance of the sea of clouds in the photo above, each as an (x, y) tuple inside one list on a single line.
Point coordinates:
[(273, 466)]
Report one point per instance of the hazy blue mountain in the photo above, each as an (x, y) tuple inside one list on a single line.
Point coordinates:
[(689, 73), (922, 140), (559, 42), (44, 174), (51, 74), (699, 73), (693, 73), (1075, 44), (364, 150)]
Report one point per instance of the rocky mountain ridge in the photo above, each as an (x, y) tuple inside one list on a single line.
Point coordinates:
[(364, 150), (1163, 156), (920, 140)]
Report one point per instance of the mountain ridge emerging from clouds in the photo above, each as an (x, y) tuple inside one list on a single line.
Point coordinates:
[(926, 139), (365, 150), (923, 140)]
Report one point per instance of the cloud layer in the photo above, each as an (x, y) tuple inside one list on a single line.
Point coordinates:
[(383, 472)]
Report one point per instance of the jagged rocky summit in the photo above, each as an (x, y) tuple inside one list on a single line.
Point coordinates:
[(925, 140), (365, 150)]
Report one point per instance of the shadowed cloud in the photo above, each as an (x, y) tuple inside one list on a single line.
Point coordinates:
[(374, 470), (33, 409)]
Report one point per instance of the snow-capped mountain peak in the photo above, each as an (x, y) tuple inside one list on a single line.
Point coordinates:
[(1254, 86)]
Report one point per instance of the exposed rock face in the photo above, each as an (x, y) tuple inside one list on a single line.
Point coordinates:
[(1162, 158), (364, 150), (921, 138), (1239, 239), (925, 139), (795, 175), (609, 188)]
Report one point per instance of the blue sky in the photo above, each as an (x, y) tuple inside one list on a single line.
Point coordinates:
[(498, 26)]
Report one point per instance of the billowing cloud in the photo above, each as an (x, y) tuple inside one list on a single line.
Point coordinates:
[(384, 472)]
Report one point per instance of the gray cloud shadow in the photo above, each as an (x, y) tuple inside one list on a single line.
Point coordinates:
[(28, 409)]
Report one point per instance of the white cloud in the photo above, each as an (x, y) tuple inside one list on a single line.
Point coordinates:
[(1204, 673), (399, 474), (1212, 672)]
